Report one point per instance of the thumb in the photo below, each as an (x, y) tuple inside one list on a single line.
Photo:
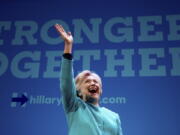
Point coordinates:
[(69, 33)]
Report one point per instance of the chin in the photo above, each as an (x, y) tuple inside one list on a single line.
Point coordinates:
[(96, 95)]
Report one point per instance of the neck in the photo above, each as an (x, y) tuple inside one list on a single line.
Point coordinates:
[(92, 100), (97, 104)]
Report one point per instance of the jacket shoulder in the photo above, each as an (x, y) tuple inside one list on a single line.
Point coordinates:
[(109, 112)]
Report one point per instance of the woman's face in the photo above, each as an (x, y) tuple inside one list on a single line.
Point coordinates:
[(90, 89)]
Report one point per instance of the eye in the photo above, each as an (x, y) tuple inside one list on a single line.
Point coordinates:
[(87, 81), (95, 81)]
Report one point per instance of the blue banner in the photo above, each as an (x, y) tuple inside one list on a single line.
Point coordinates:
[(133, 45)]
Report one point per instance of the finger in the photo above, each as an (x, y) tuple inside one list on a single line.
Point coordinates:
[(57, 27), (69, 33), (60, 29)]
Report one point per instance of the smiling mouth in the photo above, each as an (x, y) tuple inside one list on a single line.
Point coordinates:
[(92, 91)]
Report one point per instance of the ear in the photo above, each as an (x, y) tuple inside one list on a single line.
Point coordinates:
[(79, 94), (101, 91)]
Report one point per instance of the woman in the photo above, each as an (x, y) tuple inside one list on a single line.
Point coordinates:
[(81, 97)]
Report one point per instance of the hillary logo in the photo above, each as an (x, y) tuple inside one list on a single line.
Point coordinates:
[(19, 99), (22, 100)]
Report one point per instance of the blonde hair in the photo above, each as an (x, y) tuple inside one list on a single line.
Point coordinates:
[(82, 75)]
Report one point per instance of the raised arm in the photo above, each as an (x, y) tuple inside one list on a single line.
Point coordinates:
[(67, 85)]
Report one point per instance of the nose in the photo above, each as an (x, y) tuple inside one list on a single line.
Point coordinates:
[(92, 83)]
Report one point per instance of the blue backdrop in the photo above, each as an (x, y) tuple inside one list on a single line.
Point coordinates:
[(133, 45)]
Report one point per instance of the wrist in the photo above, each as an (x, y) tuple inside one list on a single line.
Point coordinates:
[(68, 48), (66, 42)]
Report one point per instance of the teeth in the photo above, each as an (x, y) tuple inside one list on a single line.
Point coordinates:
[(92, 89)]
